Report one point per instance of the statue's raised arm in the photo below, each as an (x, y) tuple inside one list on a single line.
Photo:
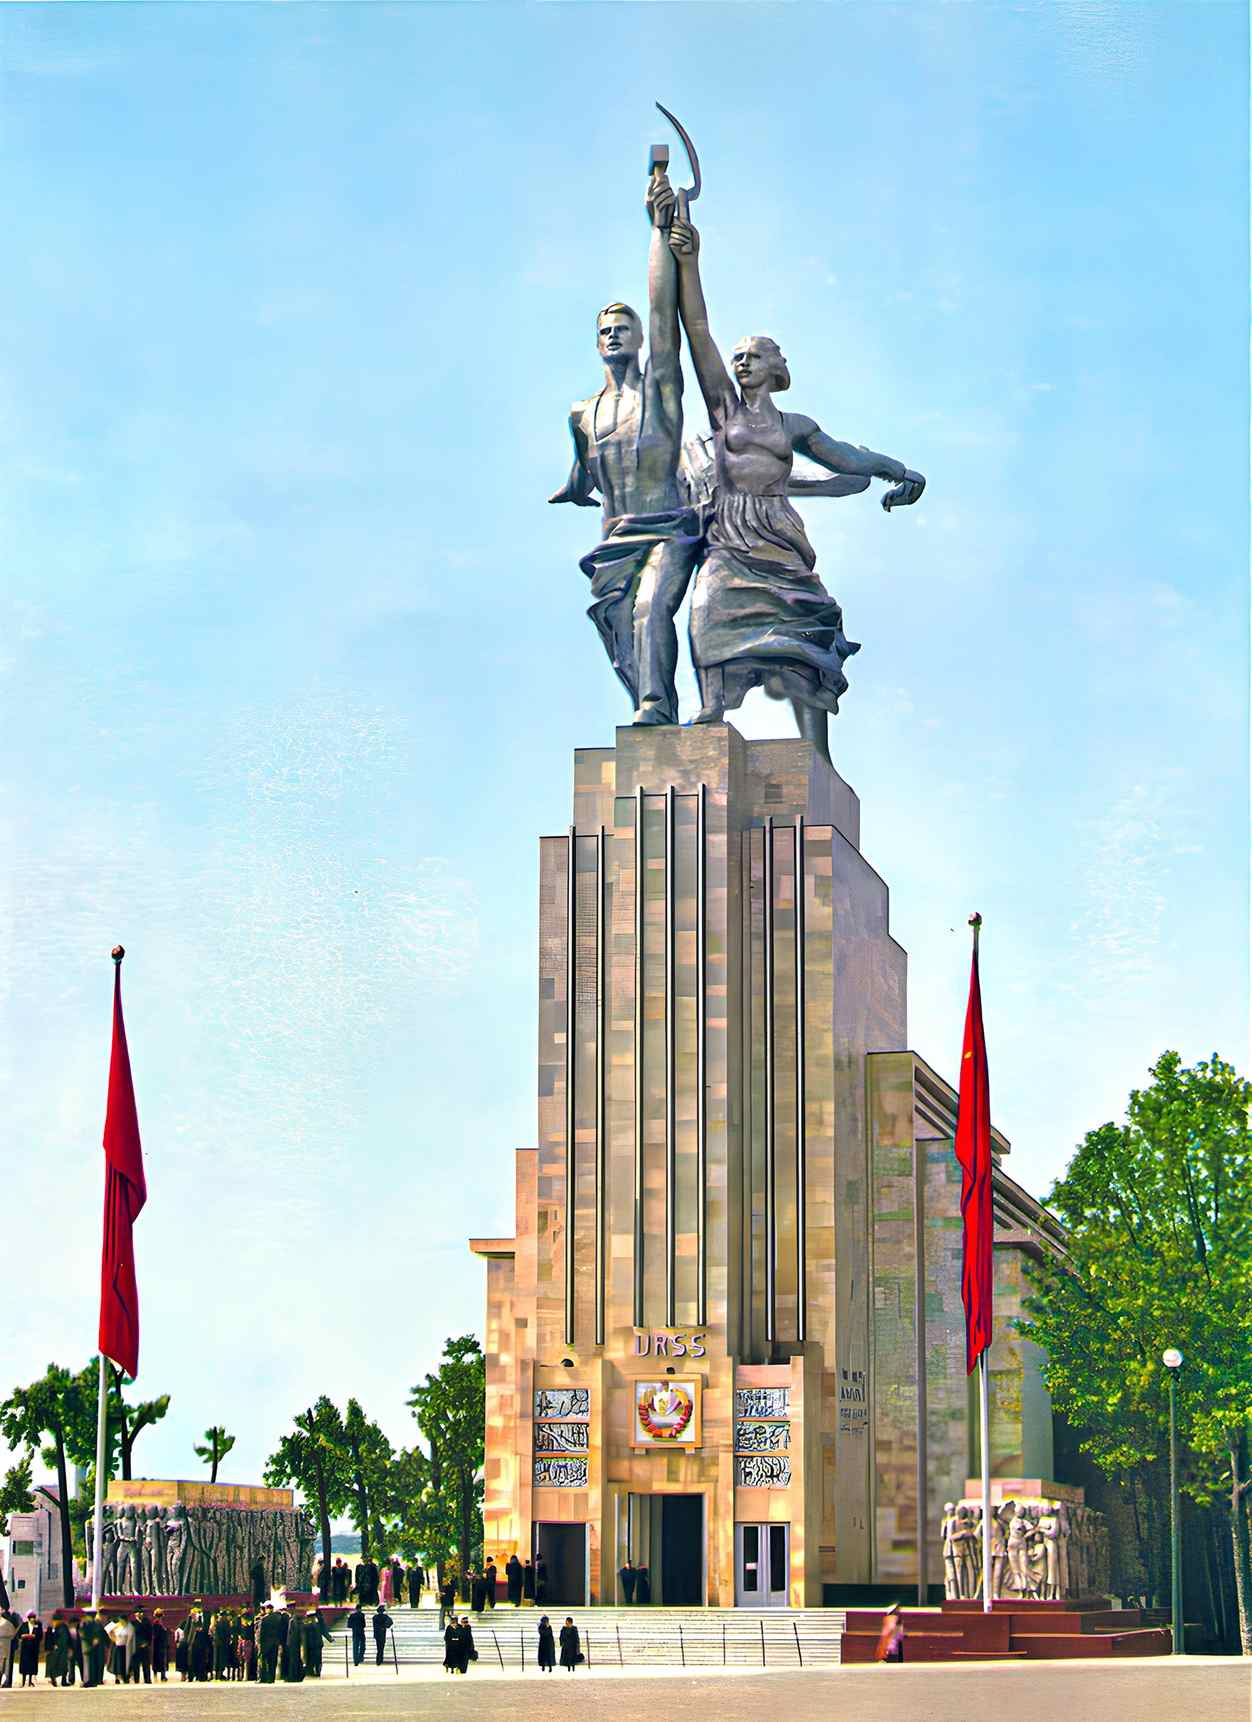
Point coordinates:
[(760, 617)]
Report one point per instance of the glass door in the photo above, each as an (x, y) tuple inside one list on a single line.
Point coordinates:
[(762, 1561)]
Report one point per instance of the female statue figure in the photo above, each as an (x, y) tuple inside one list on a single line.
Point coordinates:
[(759, 614)]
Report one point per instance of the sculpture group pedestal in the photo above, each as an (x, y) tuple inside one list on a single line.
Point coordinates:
[(1090, 1627)]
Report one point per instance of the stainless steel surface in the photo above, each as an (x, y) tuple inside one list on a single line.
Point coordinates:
[(801, 1157), (771, 1218), (601, 1025), (571, 965), (639, 1072), (702, 1023), (671, 1096)]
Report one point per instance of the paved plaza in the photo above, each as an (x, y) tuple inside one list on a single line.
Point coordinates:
[(1152, 1690)]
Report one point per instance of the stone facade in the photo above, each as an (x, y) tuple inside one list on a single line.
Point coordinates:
[(739, 1167)]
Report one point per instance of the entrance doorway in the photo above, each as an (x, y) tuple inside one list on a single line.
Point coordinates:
[(563, 1551), (762, 1563), (665, 1536), (682, 1550)]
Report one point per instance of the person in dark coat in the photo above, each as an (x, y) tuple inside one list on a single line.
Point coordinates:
[(571, 1647), (451, 1645), (381, 1624), (256, 1575), (397, 1583), (356, 1625), (416, 1577), (541, 1579), (528, 1582), (466, 1650), (547, 1645), (338, 1576), (200, 1651), (223, 1645), (160, 1646), (489, 1583), (293, 1651), (29, 1643), (478, 1591), (95, 1643), (57, 1651), (627, 1576), (315, 1635), (141, 1662), (643, 1585), (367, 1576), (269, 1643), (447, 1600), (513, 1580)]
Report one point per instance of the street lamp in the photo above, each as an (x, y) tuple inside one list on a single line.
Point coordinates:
[(1172, 1359)]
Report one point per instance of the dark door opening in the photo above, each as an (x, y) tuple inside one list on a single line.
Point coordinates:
[(563, 1551), (682, 1550)]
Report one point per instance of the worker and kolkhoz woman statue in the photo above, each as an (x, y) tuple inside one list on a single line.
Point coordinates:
[(760, 616)]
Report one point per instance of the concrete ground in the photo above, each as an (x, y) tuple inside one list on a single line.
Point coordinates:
[(1191, 1689)]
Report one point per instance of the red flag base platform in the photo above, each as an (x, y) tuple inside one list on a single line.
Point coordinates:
[(1013, 1631)]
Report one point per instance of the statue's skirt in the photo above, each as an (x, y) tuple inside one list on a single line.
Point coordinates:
[(759, 614)]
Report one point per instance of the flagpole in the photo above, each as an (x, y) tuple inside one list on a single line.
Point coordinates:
[(102, 1427), (102, 1407), (984, 1414)]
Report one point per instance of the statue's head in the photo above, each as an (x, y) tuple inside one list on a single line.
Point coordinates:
[(619, 333), (757, 360)]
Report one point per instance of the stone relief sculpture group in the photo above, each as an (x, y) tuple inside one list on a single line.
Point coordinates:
[(1049, 1551), (203, 1551), (716, 510)]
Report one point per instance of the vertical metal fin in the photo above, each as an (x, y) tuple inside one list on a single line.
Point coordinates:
[(801, 1146), (771, 1218), (571, 972), (671, 1063), (639, 1027), (702, 1014), (601, 1024)]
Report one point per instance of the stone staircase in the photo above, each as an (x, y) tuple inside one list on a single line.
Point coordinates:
[(621, 1637)]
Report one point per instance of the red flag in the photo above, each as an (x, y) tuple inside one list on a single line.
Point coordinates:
[(973, 1150), (125, 1193)]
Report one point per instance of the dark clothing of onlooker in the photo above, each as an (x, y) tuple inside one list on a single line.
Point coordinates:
[(513, 1579), (571, 1651), (381, 1623), (356, 1621), (547, 1646), (628, 1576)]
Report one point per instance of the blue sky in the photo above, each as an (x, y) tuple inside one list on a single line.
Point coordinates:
[(293, 655)]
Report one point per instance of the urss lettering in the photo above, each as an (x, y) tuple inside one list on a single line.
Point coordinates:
[(673, 1343)]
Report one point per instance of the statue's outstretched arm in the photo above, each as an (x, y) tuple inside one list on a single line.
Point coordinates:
[(845, 457), (579, 486), (715, 383), (663, 363)]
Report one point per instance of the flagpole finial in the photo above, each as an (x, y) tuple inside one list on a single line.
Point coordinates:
[(119, 951), (975, 919)]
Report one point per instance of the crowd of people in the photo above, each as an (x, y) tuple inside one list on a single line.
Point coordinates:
[(370, 1582), (226, 1644)]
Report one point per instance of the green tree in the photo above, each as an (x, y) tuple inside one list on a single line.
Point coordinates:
[(16, 1496), (313, 1458), (450, 1411), (369, 1462), (217, 1444), (54, 1407), (1159, 1216), (126, 1422)]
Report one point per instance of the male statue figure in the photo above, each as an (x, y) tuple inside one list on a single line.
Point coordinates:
[(627, 440)]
